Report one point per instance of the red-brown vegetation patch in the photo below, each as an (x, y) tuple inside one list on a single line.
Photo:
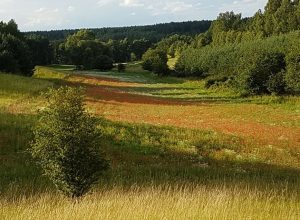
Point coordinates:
[(247, 120)]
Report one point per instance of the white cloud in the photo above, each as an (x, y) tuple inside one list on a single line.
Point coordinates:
[(46, 16), (169, 7), (40, 10), (102, 3), (70, 8), (131, 3), (56, 14), (176, 7), (246, 7)]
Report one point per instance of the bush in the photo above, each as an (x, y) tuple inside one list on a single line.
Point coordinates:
[(293, 71), (66, 143), (276, 83), (121, 67), (215, 80), (103, 62), (156, 61), (256, 68)]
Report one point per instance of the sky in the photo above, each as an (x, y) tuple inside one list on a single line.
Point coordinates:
[(34, 15)]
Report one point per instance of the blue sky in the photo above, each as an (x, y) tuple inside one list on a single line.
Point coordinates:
[(66, 14)]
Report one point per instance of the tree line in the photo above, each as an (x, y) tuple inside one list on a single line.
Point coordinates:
[(19, 54), (255, 55), (153, 33)]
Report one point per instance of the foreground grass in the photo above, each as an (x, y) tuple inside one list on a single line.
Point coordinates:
[(157, 172), (153, 176), (182, 202)]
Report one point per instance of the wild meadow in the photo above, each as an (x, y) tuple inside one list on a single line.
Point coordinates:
[(177, 149)]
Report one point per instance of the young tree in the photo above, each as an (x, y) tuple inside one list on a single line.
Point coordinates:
[(66, 143), (155, 60)]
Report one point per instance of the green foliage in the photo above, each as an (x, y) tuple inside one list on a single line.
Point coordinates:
[(155, 60), (121, 67), (81, 49), (120, 50), (214, 80), (276, 83), (293, 70), (42, 51), (152, 33), (255, 69), (250, 65), (15, 56), (66, 143)]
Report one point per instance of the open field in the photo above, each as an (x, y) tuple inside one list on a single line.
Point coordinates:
[(177, 150)]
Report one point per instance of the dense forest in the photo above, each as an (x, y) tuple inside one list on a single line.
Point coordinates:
[(255, 55), (19, 53), (152, 33)]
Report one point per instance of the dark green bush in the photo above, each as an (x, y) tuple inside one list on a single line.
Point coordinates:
[(215, 80), (293, 70), (103, 62), (276, 83), (121, 67), (256, 68), (155, 60), (67, 144)]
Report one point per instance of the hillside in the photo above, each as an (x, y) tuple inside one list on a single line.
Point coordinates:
[(171, 143)]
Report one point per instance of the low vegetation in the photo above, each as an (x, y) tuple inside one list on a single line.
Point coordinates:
[(213, 172), (191, 127), (66, 143)]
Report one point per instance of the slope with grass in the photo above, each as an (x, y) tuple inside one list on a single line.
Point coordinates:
[(177, 150)]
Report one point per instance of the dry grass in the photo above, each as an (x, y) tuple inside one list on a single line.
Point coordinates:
[(181, 202), (222, 157)]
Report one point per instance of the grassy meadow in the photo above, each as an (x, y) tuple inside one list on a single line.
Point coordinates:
[(176, 149)]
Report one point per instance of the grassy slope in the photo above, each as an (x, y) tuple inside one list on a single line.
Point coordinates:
[(157, 172)]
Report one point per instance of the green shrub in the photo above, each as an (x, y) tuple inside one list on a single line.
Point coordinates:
[(66, 143), (121, 67), (215, 80), (276, 83), (103, 62), (256, 68), (293, 71), (155, 60)]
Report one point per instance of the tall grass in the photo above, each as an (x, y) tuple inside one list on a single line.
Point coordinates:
[(156, 172), (181, 202)]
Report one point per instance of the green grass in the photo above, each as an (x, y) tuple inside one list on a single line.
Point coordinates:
[(189, 89), (52, 72), (157, 172), (133, 73)]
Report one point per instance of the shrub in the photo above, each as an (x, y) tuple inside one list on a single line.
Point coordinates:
[(121, 67), (293, 71), (276, 83), (215, 80), (103, 62), (256, 68), (66, 143), (155, 60)]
